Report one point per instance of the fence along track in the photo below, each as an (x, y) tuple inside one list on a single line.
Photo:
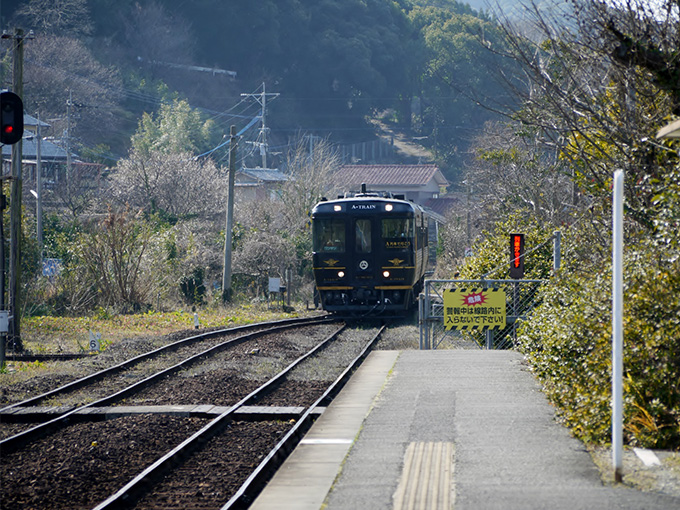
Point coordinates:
[(521, 297)]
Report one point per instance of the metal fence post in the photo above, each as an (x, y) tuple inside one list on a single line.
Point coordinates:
[(489, 339), (421, 302)]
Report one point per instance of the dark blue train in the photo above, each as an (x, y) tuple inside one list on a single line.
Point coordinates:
[(369, 253)]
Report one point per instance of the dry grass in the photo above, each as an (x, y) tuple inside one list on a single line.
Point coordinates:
[(61, 335)]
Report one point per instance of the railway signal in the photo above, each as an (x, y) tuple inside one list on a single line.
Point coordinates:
[(12, 114), (517, 256)]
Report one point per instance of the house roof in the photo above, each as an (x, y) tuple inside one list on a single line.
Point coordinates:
[(30, 121), (441, 205), (395, 175), (48, 150), (264, 174)]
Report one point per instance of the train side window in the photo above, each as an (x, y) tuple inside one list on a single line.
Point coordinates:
[(363, 236), (397, 227), (329, 235)]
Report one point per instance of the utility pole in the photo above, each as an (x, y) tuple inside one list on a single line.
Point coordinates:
[(69, 164), (261, 98), (38, 185), (228, 231), (15, 204)]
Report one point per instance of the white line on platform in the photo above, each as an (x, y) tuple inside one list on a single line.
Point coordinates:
[(326, 441)]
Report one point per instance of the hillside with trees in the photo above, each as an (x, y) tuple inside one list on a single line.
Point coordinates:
[(334, 63)]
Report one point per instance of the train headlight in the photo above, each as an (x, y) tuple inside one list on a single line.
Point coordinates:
[(388, 207), (337, 208), (386, 274), (341, 274)]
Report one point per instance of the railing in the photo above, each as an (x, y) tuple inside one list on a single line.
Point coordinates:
[(521, 297)]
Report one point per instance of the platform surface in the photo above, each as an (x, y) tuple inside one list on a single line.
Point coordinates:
[(461, 429)]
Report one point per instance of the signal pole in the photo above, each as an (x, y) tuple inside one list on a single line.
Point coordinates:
[(15, 204), (261, 98)]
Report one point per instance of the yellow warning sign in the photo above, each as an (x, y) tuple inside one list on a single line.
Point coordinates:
[(474, 308)]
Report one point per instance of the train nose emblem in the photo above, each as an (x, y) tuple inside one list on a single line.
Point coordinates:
[(331, 262), (363, 265), (396, 262)]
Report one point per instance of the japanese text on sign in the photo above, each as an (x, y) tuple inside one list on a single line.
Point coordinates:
[(474, 308)]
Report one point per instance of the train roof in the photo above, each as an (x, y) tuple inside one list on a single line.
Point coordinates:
[(367, 196)]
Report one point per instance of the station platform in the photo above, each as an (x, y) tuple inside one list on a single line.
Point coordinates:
[(463, 429)]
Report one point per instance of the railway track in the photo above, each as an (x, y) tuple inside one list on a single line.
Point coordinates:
[(131, 376), (191, 456)]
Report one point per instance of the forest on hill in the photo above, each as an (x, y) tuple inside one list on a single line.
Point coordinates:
[(424, 66)]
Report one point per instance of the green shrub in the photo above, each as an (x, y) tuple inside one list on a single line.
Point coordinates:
[(568, 343)]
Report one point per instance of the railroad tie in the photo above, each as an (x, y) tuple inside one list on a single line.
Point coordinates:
[(427, 478)]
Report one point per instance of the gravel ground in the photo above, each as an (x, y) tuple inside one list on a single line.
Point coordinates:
[(82, 465), (400, 335), (81, 473)]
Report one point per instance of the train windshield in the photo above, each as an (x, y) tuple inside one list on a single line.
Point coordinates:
[(329, 235), (397, 227), (363, 236)]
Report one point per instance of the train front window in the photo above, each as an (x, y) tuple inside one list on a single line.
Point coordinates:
[(329, 235), (397, 228), (363, 236)]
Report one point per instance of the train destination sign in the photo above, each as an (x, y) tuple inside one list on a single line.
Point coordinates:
[(474, 309)]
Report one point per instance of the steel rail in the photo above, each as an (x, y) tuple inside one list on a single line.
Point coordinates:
[(79, 383), (17, 441), (257, 479), (138, 486)]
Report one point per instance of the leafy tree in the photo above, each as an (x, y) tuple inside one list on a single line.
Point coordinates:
[(114, 255), (61, 73), (262, 255), (157, 38), (174, 184), (309, 175), (511, 172), (176, 128), (55, 16), (568, 342), (459, 73), (597, 97)]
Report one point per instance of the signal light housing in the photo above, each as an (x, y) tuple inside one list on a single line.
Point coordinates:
[(11, 117), (517, 256)]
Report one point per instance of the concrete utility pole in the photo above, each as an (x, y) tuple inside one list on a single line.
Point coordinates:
[(15, 204), (261, 98), (38, 185), (69, 164), (228, 231)]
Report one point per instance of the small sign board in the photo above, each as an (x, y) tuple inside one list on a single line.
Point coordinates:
[(95, 345), (4, 321), (51, 267), (474, 309), (274, 284)]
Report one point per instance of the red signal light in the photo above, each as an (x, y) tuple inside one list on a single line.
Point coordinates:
[(12, 114)]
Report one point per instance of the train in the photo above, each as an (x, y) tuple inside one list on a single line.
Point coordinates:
[(370, 253)]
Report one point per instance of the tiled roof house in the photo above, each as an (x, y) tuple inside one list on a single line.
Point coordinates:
[(417, 182), (259, 183)]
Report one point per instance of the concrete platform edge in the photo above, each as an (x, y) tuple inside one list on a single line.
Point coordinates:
[(306, 477)]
